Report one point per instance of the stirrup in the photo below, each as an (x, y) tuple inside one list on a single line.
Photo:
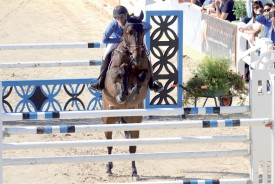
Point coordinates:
[(96, 86)]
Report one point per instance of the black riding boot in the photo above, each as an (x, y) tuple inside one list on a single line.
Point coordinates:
[(99, 86), (154, 85)]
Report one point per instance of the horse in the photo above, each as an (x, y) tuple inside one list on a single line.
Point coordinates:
[(126, 82)]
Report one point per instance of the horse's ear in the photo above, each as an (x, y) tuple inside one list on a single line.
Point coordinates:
[(129, 16), (141, 15)]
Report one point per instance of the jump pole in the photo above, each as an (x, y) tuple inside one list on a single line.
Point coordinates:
[(50, 64), (135, 126), (125, 142), (91, 114), (123, 157), (51, 46), (219, 181)]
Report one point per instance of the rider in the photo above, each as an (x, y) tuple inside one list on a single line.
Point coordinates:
[(112, 37)]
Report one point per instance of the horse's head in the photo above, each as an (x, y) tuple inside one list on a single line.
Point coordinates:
[(133, 37)]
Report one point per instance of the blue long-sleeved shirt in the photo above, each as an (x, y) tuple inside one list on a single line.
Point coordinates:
[(268, 29), (114, 32)]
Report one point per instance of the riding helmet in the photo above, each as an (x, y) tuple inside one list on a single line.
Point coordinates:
[(120, 10)]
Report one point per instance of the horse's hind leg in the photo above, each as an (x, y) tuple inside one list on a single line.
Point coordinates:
[(132, 149), (109, 165)]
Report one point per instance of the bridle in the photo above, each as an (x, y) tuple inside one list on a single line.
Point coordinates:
[(132, 48)]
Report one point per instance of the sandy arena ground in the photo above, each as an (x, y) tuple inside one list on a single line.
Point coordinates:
[(65, 21)]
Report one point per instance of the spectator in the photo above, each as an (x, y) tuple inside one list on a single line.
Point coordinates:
[(224, 9), (269, 23), (198, 2), (253, 28), (208, 4), (249, 7), (267, 8)]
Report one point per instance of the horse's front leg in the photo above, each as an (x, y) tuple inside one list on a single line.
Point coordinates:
[(132, 150), (140, 80), (124, 75), (109, 165)]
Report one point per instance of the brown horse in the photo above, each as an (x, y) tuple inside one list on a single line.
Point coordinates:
[(126, 82)]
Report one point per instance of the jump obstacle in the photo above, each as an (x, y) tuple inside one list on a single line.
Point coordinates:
[(50, 63), (51, 46), (256, 153), (260, 119)]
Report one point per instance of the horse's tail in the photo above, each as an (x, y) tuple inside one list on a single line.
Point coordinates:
[(126, 133)]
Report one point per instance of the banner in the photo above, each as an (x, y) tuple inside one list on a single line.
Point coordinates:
[(191, 23), (201, 32), (218, 37)]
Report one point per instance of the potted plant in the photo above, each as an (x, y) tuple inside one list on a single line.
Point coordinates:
[(213, 78), (239, 9)]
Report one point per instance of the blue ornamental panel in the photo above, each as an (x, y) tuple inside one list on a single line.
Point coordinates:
[(49, 95), (166, 51), (165, 43)]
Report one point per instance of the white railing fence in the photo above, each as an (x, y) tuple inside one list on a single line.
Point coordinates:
[(247, 53)]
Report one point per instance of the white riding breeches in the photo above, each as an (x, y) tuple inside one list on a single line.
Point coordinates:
[(110, 47)]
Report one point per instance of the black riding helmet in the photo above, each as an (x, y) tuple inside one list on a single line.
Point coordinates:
[(120, 10)]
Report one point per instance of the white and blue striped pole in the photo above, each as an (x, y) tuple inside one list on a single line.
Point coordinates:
[(91, 114), (136, 126), (216, 110), (51, 45), (119, 113), (219, 181), (50, 64)]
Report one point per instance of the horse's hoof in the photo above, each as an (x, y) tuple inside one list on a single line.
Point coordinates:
[(109, 174), (135, 178), (109, 167)]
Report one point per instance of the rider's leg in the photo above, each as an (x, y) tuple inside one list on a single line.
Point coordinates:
[(103, 70), (154, 85), (104, 67)]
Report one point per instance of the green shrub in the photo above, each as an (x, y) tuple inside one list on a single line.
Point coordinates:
[(239, 9), (213, 77)]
